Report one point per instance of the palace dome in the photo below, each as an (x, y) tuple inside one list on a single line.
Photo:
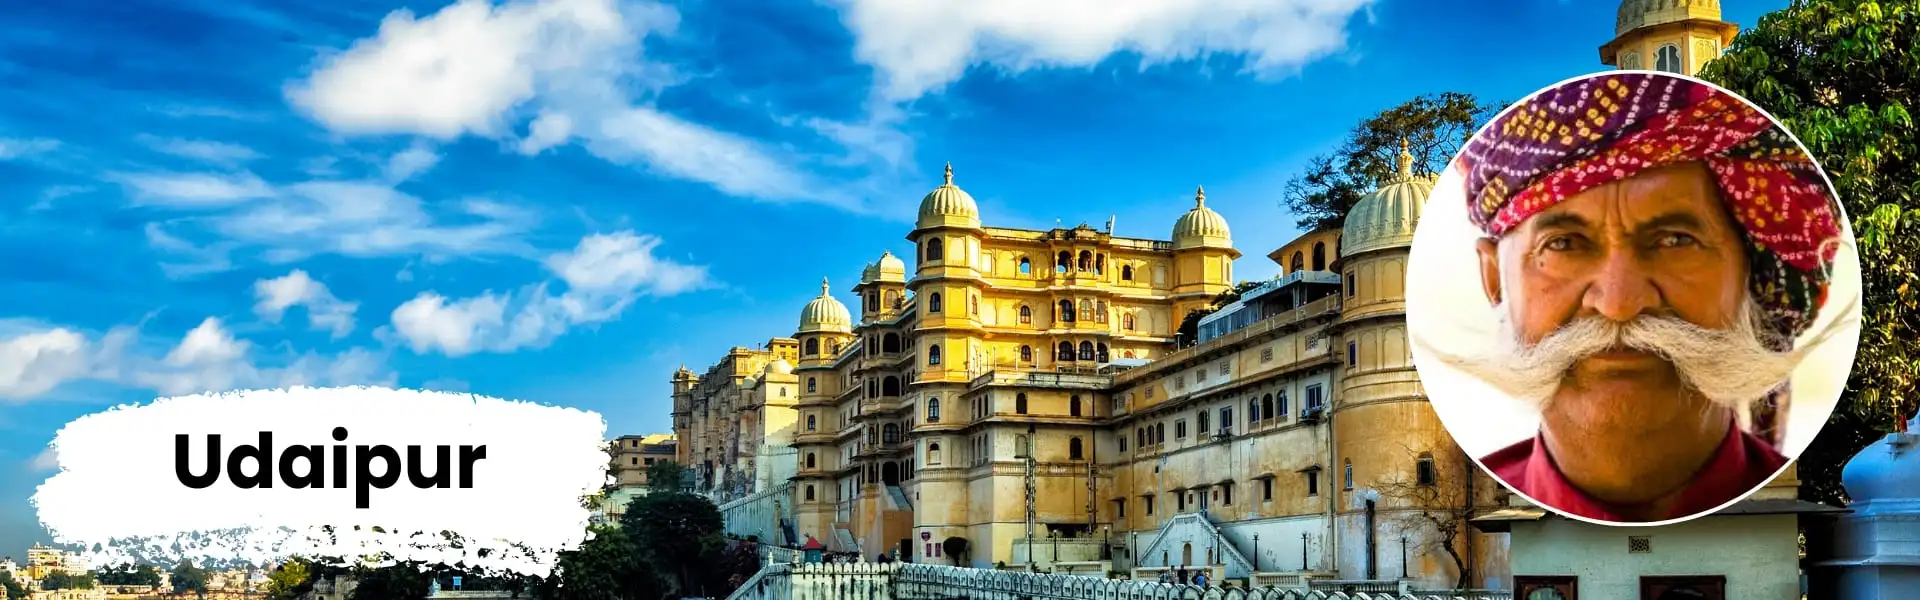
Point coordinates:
[(779, 366), (890, 268), (1635, 14), (1885, 476), (1201, 227), (825, 314), (948, 205), (1386, 218)]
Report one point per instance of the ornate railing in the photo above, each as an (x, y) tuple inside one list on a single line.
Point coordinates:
[(903, 581)]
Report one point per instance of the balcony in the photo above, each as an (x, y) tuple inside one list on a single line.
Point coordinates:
[(1173, 360), (1066, 380)]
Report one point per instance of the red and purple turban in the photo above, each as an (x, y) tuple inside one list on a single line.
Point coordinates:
[(1602, 129)]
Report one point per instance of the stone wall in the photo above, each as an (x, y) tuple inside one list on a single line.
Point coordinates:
[(904, 581)]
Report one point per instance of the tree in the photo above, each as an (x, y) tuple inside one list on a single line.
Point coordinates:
[(291, 580), (14, 591), (679, 537), (605, 567), (128, 574), (398, 580), (62, 580), (1841, 75), (1434, 127), (666, 476), (1443, 504), (1189, 330), (188, 578)]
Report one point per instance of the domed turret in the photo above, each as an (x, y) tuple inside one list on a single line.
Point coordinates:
[(1885, 477), (1635, 14), (890, 268), (825, 314), (779, 366), (1386, 218), (1201, 227), (948, 206)]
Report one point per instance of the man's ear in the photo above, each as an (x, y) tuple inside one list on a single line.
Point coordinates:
[(1489, 251)]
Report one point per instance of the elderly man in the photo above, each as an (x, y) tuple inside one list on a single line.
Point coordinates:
[(1653, 248)]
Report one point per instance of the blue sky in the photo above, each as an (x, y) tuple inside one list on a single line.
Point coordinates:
[(564, 200)]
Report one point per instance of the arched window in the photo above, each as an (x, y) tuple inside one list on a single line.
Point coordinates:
[(1075, 451), (1100, 352), (1319, 256), (1026, 354), (812, 423), (813, 346), (890, 342), (1346, 479), (936, 251), (810, 461), (890, 386), (893, 299), (1423, 471), (1086, 260), (933, 453), (1126, 322), (813, 385), (1020, 403), (1026, 266), (1086, 351), (933, 410), (1026, 315), (1062, 262), (1086, 310), (890, 433), (1073, 406), (1266, 407), (1020, 446), (933, 302), (1140, 436), (870, 303), (1100, 264), (1667, 58), (833, 346), (1159, 433), (1253, 410), (1066, 310), (1299, 262), (873, 388), (1126, 272), (809, 493), (1100, 312), (1280, 404), (933, 355)]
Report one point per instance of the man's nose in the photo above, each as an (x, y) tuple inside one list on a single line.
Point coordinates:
[(1622, 288)]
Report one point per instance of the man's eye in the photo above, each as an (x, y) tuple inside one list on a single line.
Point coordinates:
[(1560, 244), (1676, 240)]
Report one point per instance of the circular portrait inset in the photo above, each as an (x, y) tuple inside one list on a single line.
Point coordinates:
[(1638, 298)]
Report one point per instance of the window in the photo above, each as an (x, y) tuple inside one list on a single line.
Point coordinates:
[(809, 493), (1346, 477), (812, 385), (1126, 322), (1630, 61), (634, 460), (1086, 350), (1423, 470), (933, 410), (935, 251), (1073, 406), (1026, 352), (933, 355), (1159, 433), (1200, 421), (1140, 436), (1353, 354), (1122, 438), (1351, 282), (1126, 273), (1313, 396), (1026, 315), (1026, 266), (1253, 410), (1066, 311), (933, 303), (1061, 262), (1086, 311), (1281, 408), (1299, 262), (1313, 482), (1149, 500), (810, 461), (1075, 449), (973, 305), (1100, 311), (1225, 367), (1319, 256), (1667, 58), (1065, 352), (1226, 494), (1180, 429), (1120, 508), (1226, 418), (1266, 490), (1266, 354), (811, 422), (1550, 587), (933, 453), (1020, 446), (1100, 352), (813, 346), (1020, 404)]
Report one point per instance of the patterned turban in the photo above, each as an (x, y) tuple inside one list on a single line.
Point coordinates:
[(1603, 129)]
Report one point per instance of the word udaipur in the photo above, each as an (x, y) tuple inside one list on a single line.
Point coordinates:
[(303, 467)]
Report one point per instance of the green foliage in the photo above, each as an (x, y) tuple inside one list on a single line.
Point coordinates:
[(62, 580), (667, 476), (679, 539), (188, 578), (1434, 127), (1188, 333), (292, 579), (128, 574), (606, 567), (1842, 76), (14, 591), (397, 580)]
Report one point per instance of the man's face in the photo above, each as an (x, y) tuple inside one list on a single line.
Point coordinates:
[(1658, 244)]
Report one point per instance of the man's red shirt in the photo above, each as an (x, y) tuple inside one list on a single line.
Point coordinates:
[(1743, 462)]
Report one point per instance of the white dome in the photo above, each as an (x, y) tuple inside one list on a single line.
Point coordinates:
[(825, 314), (1387, 217), (779, 366), (1201, 227), (950, 206), (1885, 477)]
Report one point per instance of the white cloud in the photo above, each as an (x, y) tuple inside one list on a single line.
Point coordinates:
[(324, 311), (12, 148), (406, 164), (195, 190), (603, 276), (679, 148), (36, 359), (548, 130), (33, 363), (918, 48), (220, 153), (46, 461)]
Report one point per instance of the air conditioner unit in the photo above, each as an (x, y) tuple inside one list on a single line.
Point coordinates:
[(1312, 414), (1223, 435)]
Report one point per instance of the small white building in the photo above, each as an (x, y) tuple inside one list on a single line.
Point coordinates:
[(1750, 550), (1873, 551)]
